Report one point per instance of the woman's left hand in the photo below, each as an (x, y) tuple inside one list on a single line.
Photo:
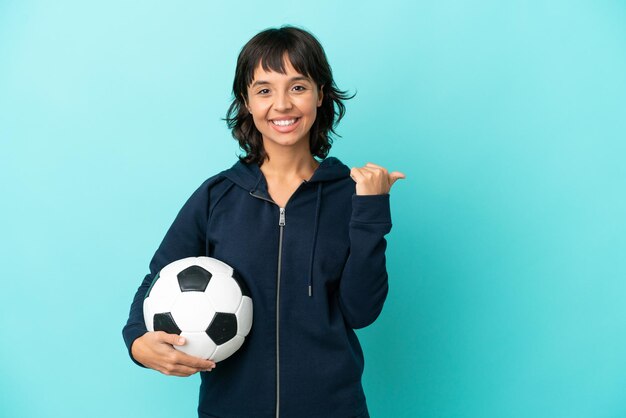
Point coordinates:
[(373, 179)]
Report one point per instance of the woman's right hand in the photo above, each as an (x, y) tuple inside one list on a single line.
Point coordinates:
[(155, 350)]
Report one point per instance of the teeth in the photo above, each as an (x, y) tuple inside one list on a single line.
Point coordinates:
[(284, 122)]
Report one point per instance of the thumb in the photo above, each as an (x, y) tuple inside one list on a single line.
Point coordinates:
[(396, 175), (173, 339)]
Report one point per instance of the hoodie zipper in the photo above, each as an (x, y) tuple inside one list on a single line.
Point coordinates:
[(281, 226)]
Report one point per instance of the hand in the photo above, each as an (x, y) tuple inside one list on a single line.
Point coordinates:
[(155, 350), (373, 179)]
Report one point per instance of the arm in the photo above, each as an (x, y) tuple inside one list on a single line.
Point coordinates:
[(186, 237), (363, 286)]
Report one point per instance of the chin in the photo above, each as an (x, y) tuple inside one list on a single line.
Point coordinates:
[(285, 140)]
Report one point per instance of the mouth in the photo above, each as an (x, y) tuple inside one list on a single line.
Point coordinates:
[(284, 122), (285, 125)]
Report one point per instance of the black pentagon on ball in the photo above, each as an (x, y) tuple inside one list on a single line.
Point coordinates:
[(193, 279), (165, 322), (223, 327), (242, 285)]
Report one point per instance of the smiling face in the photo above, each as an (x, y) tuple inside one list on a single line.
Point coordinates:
[(283, 106)]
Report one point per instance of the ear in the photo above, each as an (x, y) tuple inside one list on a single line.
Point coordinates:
[(245, 103), (320, 94)]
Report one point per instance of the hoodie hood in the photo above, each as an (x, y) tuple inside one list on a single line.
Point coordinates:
[(250, 177)]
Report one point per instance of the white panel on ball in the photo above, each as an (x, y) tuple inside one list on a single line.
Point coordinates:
[(163, 296), (244, 316), (198, 344), (229, 294), (192, 311), (215, 266), (229, 347)]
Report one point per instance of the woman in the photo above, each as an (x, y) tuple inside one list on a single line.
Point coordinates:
[(307, 236)]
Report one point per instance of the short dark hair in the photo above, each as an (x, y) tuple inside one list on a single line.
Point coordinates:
[(307, 56)]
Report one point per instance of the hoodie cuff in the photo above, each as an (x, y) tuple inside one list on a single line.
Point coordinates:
[(371, 208)]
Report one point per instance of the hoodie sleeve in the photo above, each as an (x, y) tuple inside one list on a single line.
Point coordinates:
[(186, 237), (363, 286)]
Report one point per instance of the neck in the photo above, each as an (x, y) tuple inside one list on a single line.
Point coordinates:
[(289, 162)]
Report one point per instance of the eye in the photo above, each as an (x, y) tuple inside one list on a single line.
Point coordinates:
[(300, 88), (263, 91)]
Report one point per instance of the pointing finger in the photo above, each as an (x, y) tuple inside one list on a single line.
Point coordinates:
[(396, 175)]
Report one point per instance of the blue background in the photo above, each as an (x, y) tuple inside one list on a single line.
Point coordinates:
[(506, 259)]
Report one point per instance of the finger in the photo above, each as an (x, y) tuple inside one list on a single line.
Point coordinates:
[(356, 174), (195, 362), (186, 368), (375, 174), (196, 369), (396, 175), (373, 170), (173, 339), (179, 370), (376, 166), (182, 358)]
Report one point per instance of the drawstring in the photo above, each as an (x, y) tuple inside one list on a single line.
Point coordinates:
[(317, 216), (315, 227)]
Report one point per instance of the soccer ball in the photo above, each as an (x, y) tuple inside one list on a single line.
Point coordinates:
[(203, 300)]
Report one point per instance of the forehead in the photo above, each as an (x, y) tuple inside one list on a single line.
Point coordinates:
[(270, 69), (289, 70)]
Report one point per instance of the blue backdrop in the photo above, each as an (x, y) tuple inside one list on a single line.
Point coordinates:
[(506, 258)]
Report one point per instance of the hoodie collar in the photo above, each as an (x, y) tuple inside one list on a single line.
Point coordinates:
[(250, 177)]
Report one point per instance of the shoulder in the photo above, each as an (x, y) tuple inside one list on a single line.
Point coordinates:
[(217, 182), (209, 189), (214, 182)]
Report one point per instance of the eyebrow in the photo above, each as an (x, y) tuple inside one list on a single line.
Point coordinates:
[(264, 82)]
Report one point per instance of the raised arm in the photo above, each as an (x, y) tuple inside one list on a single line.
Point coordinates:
[(363, 287)]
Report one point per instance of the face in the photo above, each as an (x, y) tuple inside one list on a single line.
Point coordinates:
[(283, 106)]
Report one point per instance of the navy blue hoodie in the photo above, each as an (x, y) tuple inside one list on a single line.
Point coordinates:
[(316, 271)]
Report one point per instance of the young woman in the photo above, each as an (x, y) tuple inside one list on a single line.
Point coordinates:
[(306, 234)]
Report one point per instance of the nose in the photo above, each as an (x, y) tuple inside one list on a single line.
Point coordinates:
[(282, 101)]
